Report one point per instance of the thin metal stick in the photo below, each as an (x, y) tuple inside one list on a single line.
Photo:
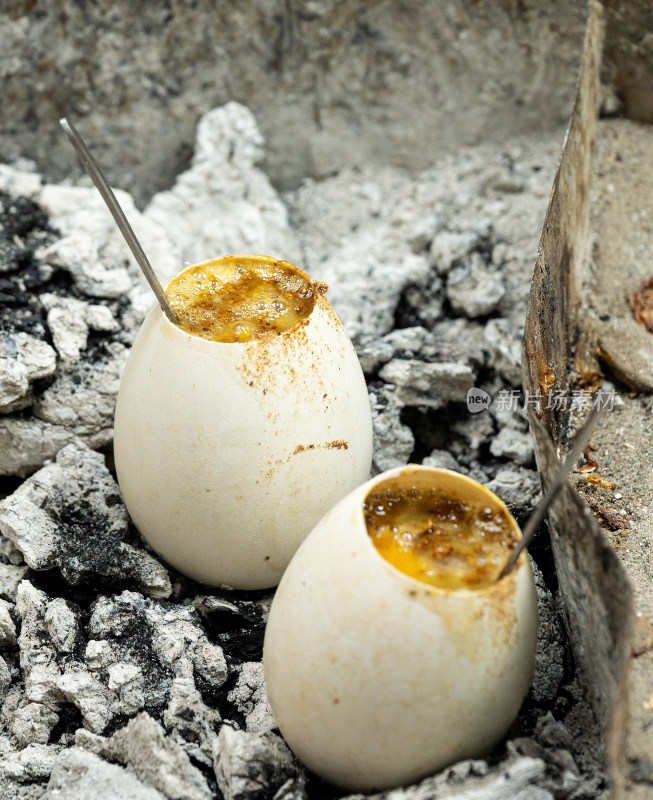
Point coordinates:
[(91, 166), (580, 441)]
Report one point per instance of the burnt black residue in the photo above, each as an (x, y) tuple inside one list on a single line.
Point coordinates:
[(70, 719), (23, 229), (418, 303), (236, 624), (131, 633), (94, 542)]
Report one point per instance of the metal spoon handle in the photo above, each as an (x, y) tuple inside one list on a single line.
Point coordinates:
[(91, 166), (580, 442)]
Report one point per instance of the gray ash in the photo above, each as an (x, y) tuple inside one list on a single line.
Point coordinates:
[(24, 228), (121, 661)]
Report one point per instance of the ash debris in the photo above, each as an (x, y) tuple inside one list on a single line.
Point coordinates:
[(122, 679)]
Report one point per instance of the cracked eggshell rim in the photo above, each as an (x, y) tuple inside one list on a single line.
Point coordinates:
[(227, 454), (377, 679)]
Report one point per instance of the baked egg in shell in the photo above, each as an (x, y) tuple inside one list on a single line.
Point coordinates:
[(228, 452), (378, 674)]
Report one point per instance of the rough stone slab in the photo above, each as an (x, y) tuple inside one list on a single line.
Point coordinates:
[(471, 780), (516, 486), (143, 747), (428, 385), (513, 444), (25, 444), (245, 762), (32, 763), (394, 441), (70, 320), (504, 344), (474, 289), (23, 359), (80, 775), (70, 515), (7, 627), (10, 577), (83, 396), (250, 697)]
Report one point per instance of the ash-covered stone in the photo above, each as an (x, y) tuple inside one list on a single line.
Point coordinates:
[(441, 459), (32, 723), (423, 231), (7, 627), (37, 711), (224, 203), (25, 444), (475, 430), (70, 515), (549, 663), (62, 623), (513, 444), (474, 289), (516, 486), (154, 758), (190, 721), (421, 302), (82, 398), (32, 763), (151, 653), (237, 625), (393, 441), (10, 576), (5, 677), (79, 255), (428, 385), (176, 637), (452, 246), (473, 780), (70, 321), (250, 697), (504, 344), (23, 360), (254, 766), (80, 775)]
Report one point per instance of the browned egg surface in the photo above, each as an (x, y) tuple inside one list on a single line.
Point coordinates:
[(239, 301), (439, 539)]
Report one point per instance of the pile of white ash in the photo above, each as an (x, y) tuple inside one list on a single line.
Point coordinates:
[(121, 678)]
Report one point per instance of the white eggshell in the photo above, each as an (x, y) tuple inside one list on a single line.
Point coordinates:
[(228, 454), (377, 679)]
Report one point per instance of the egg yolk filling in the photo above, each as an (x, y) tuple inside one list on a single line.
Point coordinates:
[(229, 300), (441, 540)]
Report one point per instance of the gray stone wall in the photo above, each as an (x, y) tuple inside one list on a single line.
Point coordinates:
[(331, 82)]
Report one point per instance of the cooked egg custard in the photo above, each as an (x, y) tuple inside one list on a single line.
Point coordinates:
[(441, 539), (240, 300), (384, 664)]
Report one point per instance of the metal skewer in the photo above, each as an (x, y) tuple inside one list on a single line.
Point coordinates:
[(91, 166), (580, 442)]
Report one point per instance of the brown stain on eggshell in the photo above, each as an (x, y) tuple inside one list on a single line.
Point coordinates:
[(288, 359), (336, 444), (471, 618)]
